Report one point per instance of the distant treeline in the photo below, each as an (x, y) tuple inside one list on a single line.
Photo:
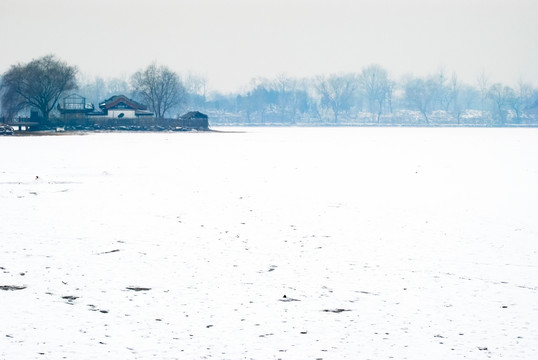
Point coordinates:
[(368, 97)]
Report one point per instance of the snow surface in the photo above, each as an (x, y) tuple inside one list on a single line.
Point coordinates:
[(386, 242)]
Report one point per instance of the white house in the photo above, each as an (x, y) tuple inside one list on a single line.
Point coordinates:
[(120, 106)]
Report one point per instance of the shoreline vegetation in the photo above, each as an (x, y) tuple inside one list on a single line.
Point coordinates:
[(228, 129), (86, 132)]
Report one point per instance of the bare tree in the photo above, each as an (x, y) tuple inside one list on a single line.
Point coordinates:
[(38, 84), (375, 85), (116, 85), (445, 90), (420, 94), (448, 95), (292, 99), (483, 86), (501, 97), (337, 92), (160, 88), (285, 88), (261, 100), (196, 88), (464, 97), (195, 84), (520, 99)]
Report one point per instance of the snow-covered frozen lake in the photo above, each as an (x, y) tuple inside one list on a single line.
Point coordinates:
[(291, 243)]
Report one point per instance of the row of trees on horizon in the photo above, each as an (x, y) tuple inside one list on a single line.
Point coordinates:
[(370, 96)]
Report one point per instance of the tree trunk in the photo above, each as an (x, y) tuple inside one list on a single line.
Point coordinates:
[(426, 117), (45, 115)]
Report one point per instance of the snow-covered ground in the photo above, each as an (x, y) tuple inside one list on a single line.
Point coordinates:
[(292, 243)]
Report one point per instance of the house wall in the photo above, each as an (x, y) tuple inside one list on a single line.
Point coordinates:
[(127, 113), (74, 115)]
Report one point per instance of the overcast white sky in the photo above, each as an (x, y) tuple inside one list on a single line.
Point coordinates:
[(231, 41)]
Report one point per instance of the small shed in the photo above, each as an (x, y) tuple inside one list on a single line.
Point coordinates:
[(194, 120)]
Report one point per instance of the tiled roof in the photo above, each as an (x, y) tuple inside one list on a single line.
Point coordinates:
[(117, 99)]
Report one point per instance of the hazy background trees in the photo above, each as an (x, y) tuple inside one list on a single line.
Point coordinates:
[(369, 96), (38, 84), (523, 98), (420, 94), (337, 93), (373, 97), (195, 90), (97, 89), (500, 96)]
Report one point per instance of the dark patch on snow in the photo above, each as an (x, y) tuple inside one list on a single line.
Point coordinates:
[(367, 292), (336, 311), (108, 252), (11, 287), (70, 298), (94, 308), (137, 288)]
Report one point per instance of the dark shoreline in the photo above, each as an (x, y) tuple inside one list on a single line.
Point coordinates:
[(131, 130)]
